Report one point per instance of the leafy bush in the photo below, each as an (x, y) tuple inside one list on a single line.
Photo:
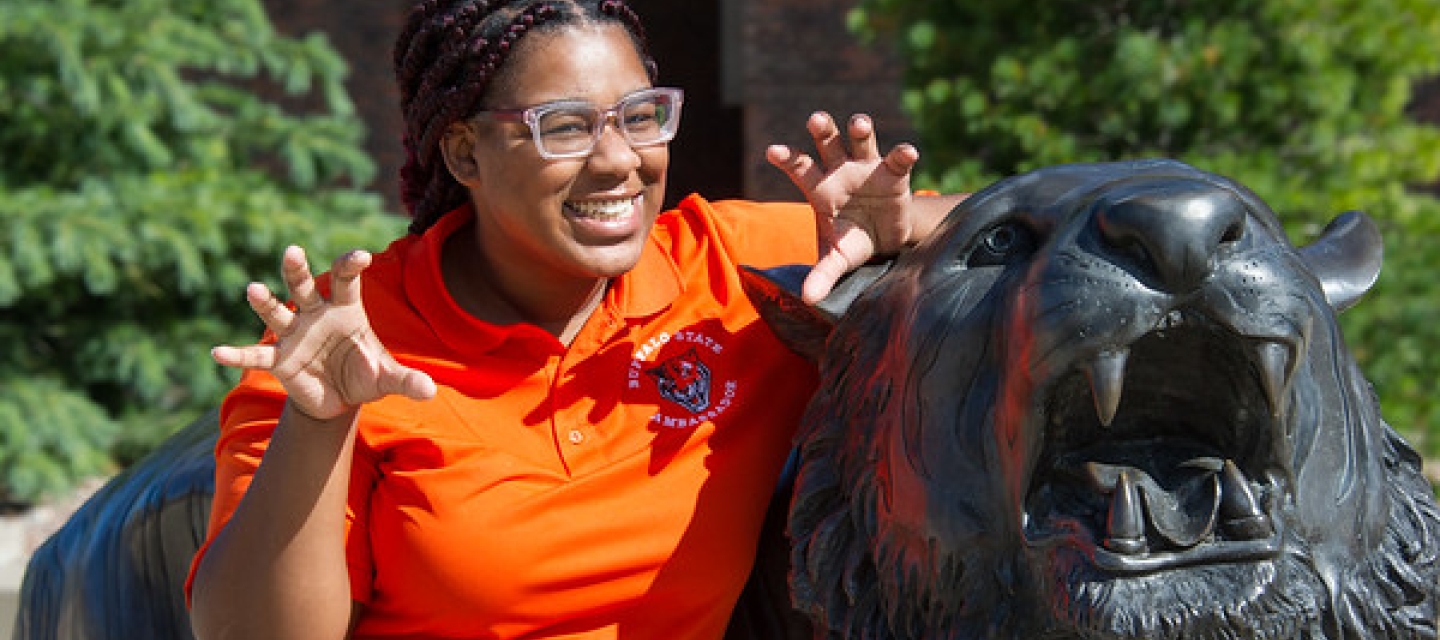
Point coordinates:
[(1301, 100), (144, 180)]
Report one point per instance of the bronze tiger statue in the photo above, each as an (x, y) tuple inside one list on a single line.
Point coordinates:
[(1103, 402)]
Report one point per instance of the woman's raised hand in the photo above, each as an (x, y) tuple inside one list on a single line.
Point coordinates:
[(862, 200), (326, 355)]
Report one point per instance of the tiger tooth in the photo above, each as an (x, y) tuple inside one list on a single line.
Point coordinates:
[(1107, 381), (1274, 361), (1125, 524), (1238, 506)]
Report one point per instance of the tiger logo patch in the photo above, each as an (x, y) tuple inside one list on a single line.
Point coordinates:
[(685, 380)]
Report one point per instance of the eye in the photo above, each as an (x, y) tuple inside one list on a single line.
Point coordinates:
[(1002, 244), (566, 124), (642, 119)]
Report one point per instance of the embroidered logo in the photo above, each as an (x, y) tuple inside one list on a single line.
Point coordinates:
[(684, 380), (685, 384)]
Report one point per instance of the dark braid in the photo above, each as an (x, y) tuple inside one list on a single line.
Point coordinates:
[(447, 58), (453, 106)]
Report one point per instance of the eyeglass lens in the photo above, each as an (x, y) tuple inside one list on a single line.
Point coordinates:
[(573, 129)]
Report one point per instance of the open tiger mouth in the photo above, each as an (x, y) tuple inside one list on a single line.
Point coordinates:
[(1166, 453)]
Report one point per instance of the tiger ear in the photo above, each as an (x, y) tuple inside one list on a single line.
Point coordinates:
[(1346, 258), (802, 327)]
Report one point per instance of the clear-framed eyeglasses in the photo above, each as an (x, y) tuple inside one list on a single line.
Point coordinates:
[(571, 128)]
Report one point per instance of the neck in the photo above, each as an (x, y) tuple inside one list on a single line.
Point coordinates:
[(560, 307), (571, 327)]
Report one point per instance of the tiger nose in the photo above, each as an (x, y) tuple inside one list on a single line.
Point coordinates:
[(1176, 231)]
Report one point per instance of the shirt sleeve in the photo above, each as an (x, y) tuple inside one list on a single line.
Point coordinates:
[(766, 234), (248, 418)]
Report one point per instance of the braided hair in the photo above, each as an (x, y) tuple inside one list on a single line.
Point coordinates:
[(446, 59)]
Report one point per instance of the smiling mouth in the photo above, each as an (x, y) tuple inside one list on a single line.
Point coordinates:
[(1165, 453), (604, 210)]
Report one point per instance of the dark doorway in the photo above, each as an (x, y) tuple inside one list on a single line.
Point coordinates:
[(686, 40)]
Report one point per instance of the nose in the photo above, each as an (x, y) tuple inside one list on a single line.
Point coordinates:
[(1176, 230), (613, 151)]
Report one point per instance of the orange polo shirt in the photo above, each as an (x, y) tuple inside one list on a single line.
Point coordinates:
[(611, 489)]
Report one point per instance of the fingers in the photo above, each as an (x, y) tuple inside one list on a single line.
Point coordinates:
[(901, 160), (850, 248), (259, 356), (799, 167), (863, 145), (822, 279), (411, 383), (276, 316), (296, 271), (828, 143), (345, 276), (857, 143)]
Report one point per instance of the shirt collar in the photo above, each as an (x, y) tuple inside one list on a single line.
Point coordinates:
[(650, 286)]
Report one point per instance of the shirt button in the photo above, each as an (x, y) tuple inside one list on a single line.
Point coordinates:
[(576, 437)]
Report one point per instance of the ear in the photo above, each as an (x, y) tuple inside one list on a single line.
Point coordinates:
[(457, 146), (776, 295), (1346, 258)]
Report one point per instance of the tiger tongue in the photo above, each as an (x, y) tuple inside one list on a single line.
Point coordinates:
[(1182, 512)]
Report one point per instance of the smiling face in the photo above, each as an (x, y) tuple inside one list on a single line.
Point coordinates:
[(559, 225)]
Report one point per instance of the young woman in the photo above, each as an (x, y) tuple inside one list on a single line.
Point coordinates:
[(550, 411)]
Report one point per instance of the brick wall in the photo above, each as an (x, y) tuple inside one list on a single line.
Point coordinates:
[(796, 57)]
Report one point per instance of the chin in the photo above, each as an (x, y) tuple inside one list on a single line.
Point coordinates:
[(612, 261)]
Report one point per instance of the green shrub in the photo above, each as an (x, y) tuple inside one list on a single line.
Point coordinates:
[(144, 180)]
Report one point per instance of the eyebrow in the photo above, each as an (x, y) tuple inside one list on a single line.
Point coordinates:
[(572, 100)]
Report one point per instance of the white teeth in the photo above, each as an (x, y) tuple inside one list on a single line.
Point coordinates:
[(603, 209)]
